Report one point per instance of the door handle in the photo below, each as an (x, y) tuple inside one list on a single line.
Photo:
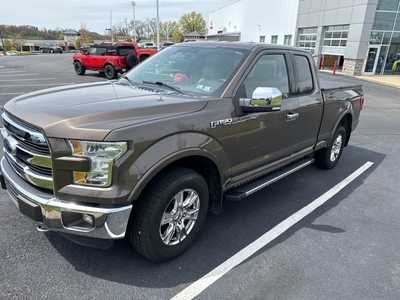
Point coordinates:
[(291, 116)]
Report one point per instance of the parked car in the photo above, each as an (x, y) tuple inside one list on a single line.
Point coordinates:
[(147, 156), (106, 59), (110, 58), (85, 48), (50, 48), (149, 45)]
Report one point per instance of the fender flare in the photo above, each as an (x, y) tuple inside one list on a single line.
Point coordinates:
[(145, 174)]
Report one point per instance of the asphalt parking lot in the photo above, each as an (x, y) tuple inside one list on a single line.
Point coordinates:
[(346, 247)]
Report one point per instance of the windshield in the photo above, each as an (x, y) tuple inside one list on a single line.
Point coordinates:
[(198, 71)]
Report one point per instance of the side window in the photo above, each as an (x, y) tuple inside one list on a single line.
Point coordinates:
[(92, 51), (101, 51), (305, 83), (269, 71), (125, 51)]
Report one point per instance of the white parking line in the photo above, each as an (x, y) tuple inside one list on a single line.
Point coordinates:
[(200, 285), (28, 79), (24, 74), (39, 84)]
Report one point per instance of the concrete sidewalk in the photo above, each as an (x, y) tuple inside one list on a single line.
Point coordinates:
[(392, 80)]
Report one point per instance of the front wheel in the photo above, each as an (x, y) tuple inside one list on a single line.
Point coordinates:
[(110, 72), (79, 68), (327, 158), (170, 215)]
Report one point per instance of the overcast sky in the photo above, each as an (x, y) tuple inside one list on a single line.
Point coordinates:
[(69, 14)]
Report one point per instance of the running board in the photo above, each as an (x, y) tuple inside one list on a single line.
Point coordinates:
[(243, 191)]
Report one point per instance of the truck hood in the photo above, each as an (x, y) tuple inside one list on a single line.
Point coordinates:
[(90, 111)]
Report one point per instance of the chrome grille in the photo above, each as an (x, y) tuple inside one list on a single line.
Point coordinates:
[(27, 151)]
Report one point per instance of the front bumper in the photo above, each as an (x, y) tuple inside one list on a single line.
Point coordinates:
[(66, 217)]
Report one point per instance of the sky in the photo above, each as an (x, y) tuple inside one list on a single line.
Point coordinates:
[(98, 14)]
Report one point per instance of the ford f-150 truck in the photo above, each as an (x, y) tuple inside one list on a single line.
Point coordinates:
[(148, 155)]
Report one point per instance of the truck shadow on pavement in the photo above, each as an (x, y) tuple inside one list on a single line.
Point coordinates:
[(239, 224)]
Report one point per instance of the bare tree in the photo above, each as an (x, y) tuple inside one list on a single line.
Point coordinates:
[(84, 34)]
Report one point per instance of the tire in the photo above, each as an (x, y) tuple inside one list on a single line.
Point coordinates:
[(110, 72), (79, 68), (131, 60), (327, 158), (51, 51), (176, 201), (143, 58), (41, 50)]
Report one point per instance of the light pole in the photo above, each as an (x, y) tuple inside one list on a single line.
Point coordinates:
[(158, 28), (134, 28)]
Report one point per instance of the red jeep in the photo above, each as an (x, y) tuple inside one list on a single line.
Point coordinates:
[(106, 59)]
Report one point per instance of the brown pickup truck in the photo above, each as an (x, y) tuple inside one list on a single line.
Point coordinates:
[(147, 156)]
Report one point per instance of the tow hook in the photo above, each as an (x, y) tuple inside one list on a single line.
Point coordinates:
[(42, 227)]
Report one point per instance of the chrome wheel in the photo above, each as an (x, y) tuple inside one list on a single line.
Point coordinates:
[(336, 147), (179, 217), (328, 157), (170, 214)]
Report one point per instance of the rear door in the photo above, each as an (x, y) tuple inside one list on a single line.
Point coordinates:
[(310, 103)]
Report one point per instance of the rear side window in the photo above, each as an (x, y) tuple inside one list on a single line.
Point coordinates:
[(305, 83), (125, 51)]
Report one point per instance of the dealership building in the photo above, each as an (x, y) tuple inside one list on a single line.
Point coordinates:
[(359, 37)]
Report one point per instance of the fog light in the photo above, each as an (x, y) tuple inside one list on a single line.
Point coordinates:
[(88, 219)]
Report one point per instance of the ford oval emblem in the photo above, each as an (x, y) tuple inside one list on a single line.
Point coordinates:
[(9, 146)]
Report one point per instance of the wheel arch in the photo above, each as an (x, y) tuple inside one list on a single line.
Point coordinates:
[(143, 57), (202, 160), (346, 121)]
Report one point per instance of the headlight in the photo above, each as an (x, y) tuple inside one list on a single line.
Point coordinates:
[(102, 156)]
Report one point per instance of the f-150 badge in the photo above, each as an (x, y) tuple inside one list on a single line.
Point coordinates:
[(216, 123)]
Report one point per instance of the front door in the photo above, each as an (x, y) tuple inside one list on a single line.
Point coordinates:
[(265, 138), (371, 60)]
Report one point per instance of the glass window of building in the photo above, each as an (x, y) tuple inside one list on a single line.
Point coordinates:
[(274, 39), (384, 21), (385, 37), (388, 5), (336, 36), (307, 38), (288, 40), (262, 39)]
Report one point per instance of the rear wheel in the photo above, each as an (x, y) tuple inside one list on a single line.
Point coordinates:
[(170, 215), (51, 51), (110, 72), (79, 68), (327, 158)]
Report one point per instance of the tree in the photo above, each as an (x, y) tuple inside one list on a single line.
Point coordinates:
[(78, 44), (177, 36), (84, 34), (193, 22), (6, 45), (167, 28), (18, 42), (140, 28)]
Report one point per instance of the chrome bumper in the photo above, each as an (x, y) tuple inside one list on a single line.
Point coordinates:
[(52, 213)]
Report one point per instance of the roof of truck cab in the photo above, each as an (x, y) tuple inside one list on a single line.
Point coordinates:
[(238, 45)]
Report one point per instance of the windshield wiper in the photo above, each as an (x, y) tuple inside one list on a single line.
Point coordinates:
[(176, 89), (127, 78)]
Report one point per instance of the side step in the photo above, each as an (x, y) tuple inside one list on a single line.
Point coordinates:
[(246, 190)]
